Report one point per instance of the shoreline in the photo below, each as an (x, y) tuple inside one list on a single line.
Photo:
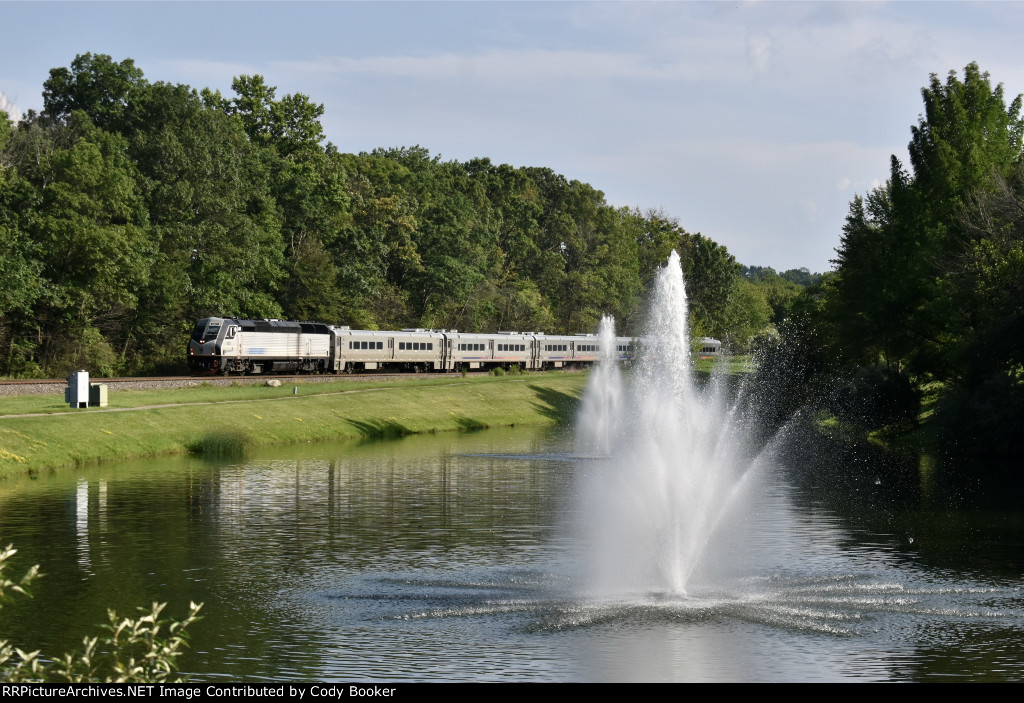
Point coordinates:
[(195, 420)]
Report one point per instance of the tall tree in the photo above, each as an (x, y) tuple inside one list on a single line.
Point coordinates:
[(102, 88), (899, 245)]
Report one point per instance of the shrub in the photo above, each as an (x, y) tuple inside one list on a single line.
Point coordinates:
[(140, 650)]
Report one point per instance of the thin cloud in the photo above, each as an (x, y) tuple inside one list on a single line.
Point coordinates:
[(10, 108), (198, 72), (524, 65), (759, 52)]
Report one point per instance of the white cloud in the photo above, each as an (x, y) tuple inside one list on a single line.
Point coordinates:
[(759, 52), (10, 108)]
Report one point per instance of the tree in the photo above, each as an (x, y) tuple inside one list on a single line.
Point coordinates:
[(712, 276), (288, 125), (905, 239), (98, 86)]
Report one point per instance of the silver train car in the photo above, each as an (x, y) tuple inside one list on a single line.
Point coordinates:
[(221, 345)]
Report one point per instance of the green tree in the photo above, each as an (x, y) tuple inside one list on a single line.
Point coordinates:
[(96, 85), (901, 243), (746, 315), (712, 277), (216, 225), (287, 125), (81, 209)]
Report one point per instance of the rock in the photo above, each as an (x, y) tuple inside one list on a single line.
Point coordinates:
[(274, 383)]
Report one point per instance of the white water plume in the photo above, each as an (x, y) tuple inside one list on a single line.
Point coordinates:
[(669, 461), (602, 399)]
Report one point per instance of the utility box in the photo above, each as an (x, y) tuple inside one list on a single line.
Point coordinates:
[(77, 393), (98, 395)]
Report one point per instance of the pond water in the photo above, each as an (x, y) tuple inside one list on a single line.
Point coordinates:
[(458, 558)]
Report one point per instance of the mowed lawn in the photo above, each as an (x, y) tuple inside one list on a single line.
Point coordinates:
[(230, 419)]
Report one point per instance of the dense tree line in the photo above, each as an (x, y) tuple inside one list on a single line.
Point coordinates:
[(926, 299), (130, 208)]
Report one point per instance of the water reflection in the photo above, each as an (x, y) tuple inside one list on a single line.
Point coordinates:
[(447, 558)]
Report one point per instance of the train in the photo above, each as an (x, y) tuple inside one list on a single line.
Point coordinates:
[(225, 345)]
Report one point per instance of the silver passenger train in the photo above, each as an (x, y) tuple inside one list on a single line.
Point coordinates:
[(223, 345)]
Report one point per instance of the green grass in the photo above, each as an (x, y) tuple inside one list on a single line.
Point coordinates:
[(227, 421), (733, 364), (205, 392)]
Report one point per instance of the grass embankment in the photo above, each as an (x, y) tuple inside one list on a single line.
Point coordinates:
[(228, 420)]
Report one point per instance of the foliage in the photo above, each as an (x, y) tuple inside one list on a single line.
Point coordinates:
[(130, 650), (131, 208), (930, 276)]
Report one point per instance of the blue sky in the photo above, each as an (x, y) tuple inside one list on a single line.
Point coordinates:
[(754, 123)]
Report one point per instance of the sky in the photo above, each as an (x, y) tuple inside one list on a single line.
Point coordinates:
[(752, 123)]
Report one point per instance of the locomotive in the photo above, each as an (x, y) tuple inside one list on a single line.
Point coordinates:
[(224, 345)]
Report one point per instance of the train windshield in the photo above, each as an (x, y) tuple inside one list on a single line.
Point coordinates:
[(206, 332)]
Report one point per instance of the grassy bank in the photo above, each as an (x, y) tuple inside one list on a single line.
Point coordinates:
[(229, 420)]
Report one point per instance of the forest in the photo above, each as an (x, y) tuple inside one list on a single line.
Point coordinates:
[(130, 208)]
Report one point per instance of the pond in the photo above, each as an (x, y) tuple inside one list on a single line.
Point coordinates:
[(459, 558)]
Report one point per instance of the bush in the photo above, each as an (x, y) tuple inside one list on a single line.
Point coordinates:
[(140, 650), (877, 396), (981, 425)]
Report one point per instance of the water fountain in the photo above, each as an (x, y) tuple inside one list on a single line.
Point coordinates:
[(668, 464)]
